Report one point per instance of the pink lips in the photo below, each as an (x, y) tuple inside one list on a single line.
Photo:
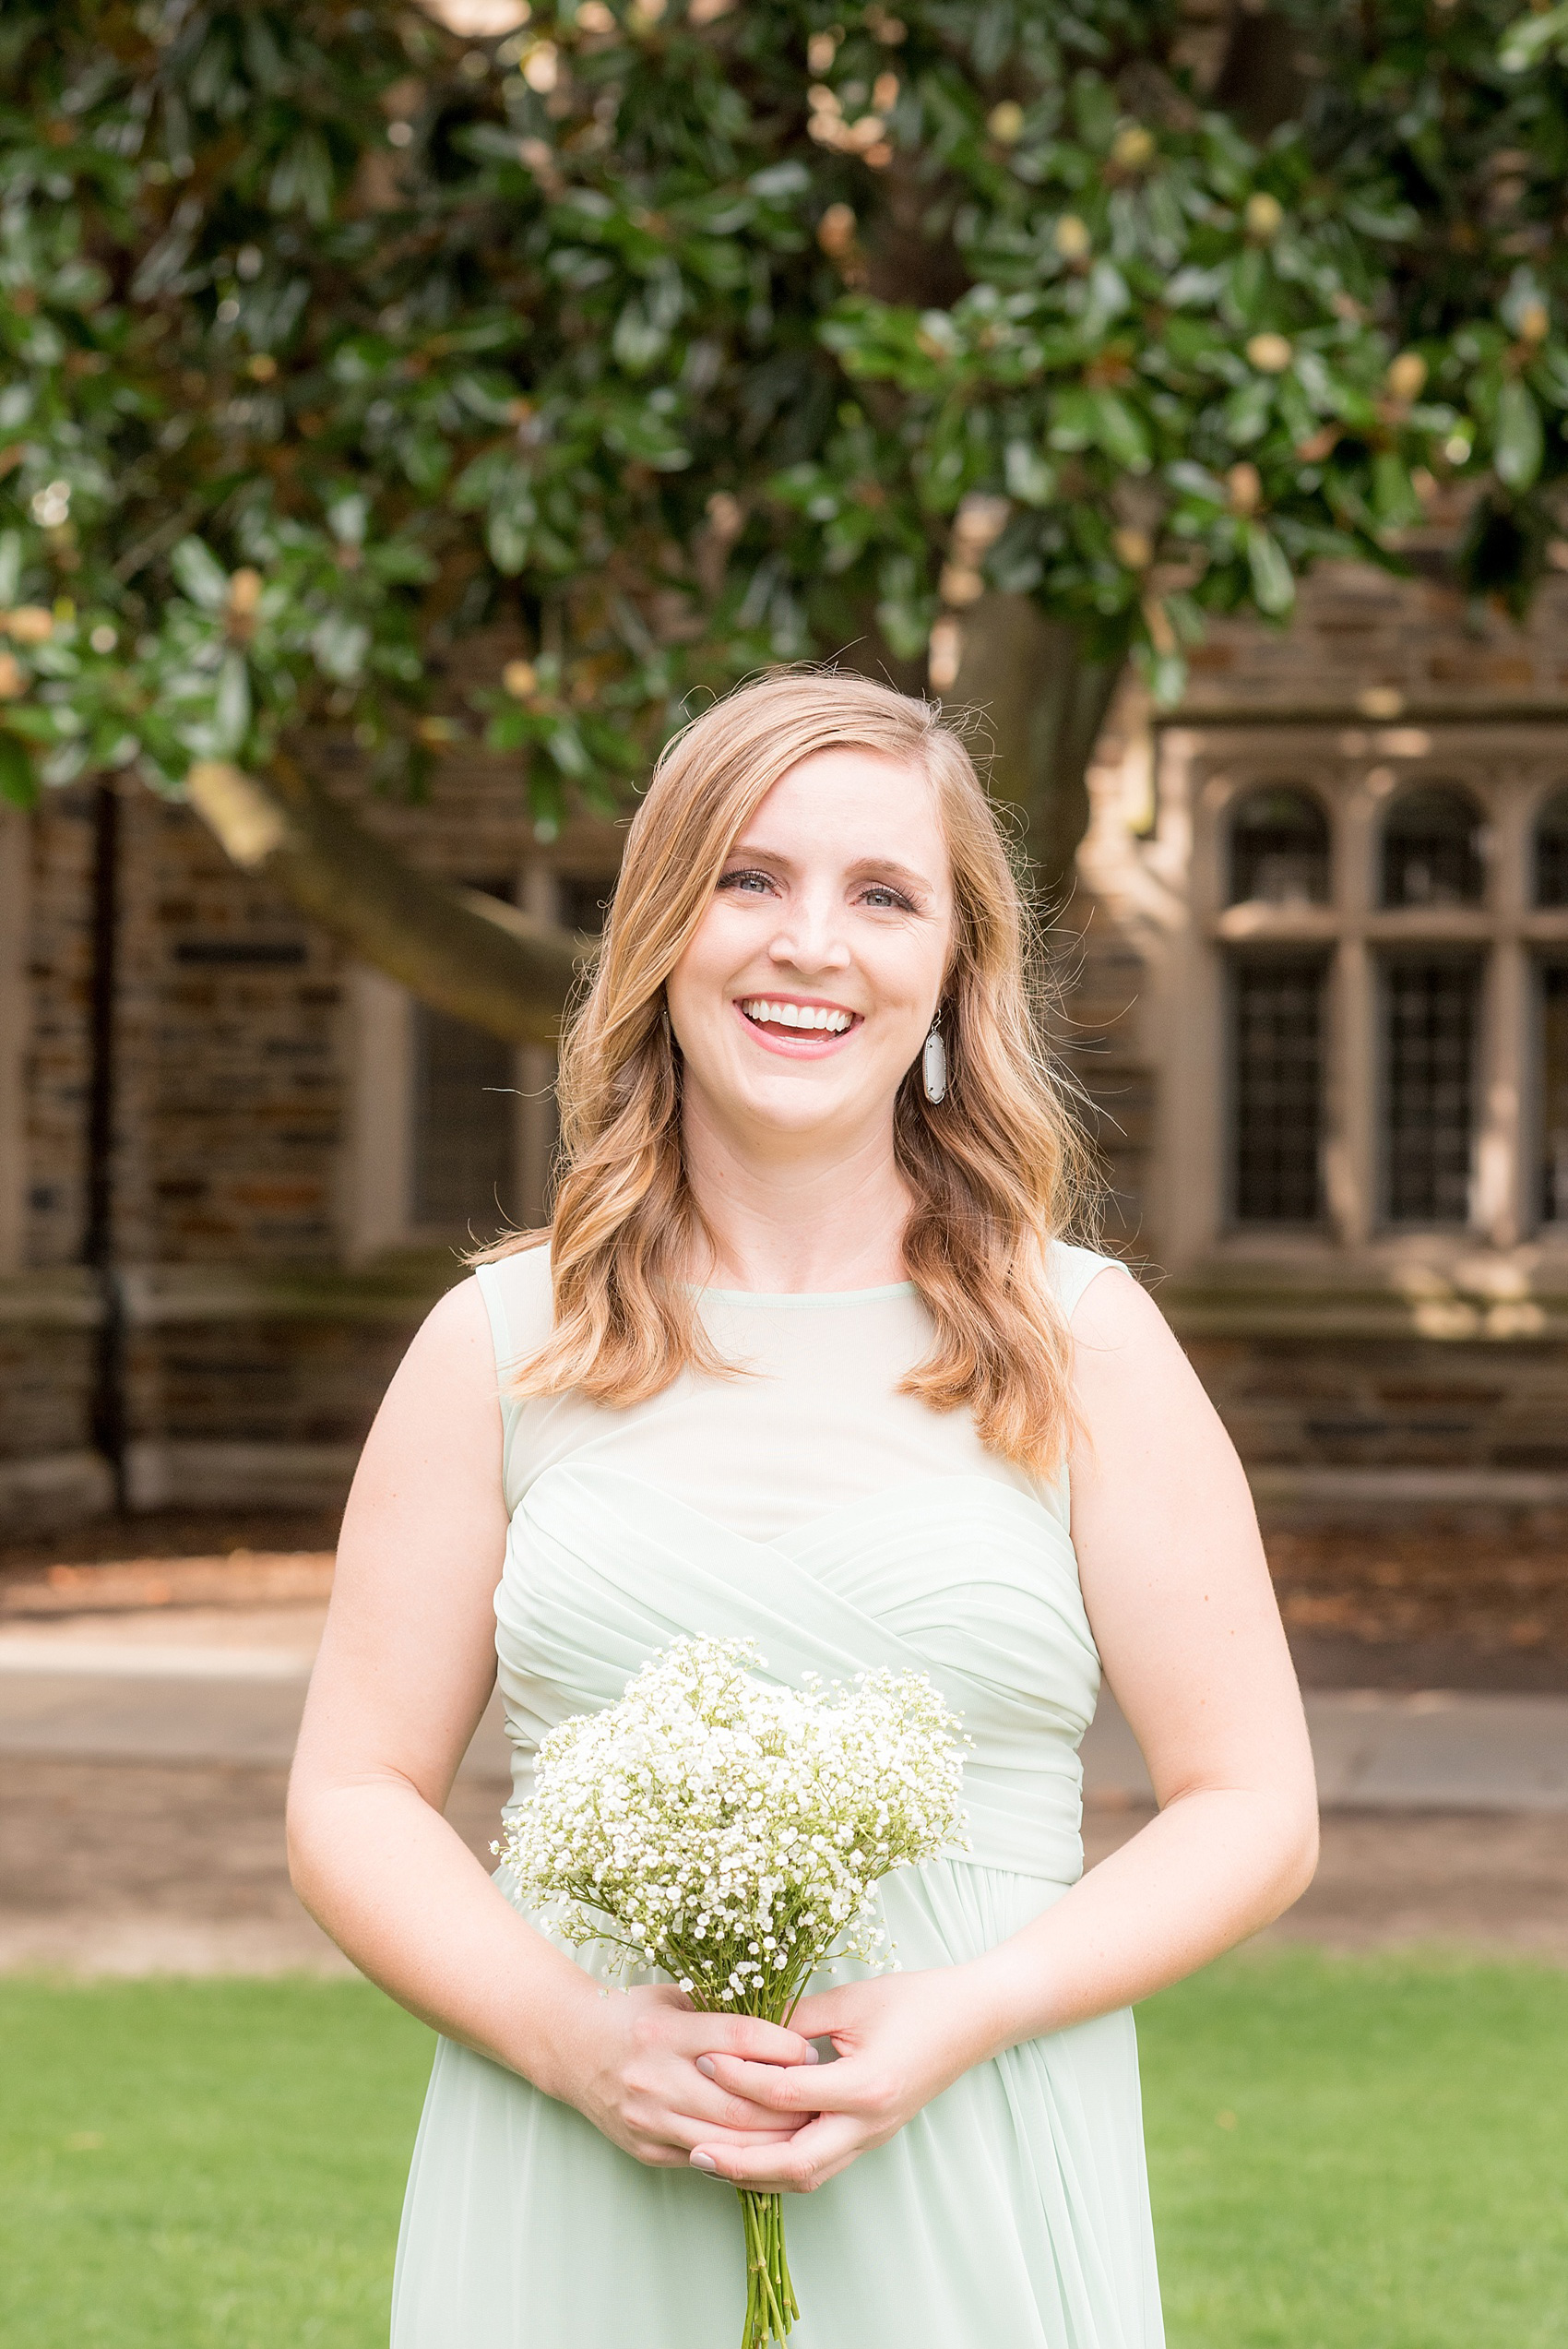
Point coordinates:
[(800, 1044)]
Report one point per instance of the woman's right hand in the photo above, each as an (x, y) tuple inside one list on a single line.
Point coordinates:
[(631, 2067)]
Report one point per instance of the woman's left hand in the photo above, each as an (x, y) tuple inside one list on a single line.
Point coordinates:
[(900, 2040)]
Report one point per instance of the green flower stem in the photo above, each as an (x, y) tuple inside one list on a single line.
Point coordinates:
[(771, 2306)]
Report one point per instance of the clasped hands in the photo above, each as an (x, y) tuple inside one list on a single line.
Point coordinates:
[(749, 2102)]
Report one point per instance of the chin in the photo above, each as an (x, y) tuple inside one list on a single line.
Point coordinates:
[(792, 1104)]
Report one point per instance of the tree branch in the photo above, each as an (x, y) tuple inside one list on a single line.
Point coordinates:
[(458, 949)]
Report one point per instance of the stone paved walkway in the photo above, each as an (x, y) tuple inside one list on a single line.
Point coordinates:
[(143, 1753), (226, 1685)]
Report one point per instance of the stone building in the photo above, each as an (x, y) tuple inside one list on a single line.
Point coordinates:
[(1325, 993), (234, 1167), (1319, 950)]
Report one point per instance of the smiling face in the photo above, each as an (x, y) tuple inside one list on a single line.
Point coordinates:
[(807, 989)]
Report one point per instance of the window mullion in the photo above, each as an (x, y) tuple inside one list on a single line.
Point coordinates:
[(1353, 1171), (536, 1124), (1499, 1206), (1504, 1210)]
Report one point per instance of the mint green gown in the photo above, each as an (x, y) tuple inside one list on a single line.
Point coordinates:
[(842, 1525)]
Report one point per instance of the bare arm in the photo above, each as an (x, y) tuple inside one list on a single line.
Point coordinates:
[(1184, 1612), (406, 1667), (1180, 1600)]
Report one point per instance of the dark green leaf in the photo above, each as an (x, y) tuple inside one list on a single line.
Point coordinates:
[(1273, 583), (18, 778)]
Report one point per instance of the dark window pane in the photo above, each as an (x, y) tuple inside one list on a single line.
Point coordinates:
[(463, 1119), (1431, 849), (1431, 1009), (1276, 1088), (1551, 851), (1280, 849), (1554, 1092)]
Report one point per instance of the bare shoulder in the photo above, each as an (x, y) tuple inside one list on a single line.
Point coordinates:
[(408, 1653), (453, 1341), (1135, 1390), (1116, 1323), (429, 1478), (443, 1395), (456, 1323), (1172, 1568)]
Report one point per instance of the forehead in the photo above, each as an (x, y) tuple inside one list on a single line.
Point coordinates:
[(848, 795)]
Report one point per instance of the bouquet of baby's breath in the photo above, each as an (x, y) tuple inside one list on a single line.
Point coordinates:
[(732, 1834)]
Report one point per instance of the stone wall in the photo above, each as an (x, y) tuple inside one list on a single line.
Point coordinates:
[(1366, 642), (1400, 1432), (59, 972), (233, 1108)]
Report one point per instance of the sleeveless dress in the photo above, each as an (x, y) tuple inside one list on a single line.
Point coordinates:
[(843, 1525)]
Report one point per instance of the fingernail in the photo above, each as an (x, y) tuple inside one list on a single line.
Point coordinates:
[(705, 2065), (704, 2161)]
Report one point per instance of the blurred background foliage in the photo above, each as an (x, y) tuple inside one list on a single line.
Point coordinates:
[(652, 343)]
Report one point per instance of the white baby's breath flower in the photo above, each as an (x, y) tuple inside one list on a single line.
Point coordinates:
[(732, 1832)]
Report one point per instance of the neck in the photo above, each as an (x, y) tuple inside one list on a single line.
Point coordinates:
[(811, 1220)]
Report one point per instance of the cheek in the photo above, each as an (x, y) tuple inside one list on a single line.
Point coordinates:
[(907, 974), (697, 988)]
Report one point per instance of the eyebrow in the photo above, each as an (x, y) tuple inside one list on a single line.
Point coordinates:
[(864, 867)]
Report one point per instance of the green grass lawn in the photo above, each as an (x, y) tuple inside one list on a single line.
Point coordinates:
[(1368, 2154), (202, 2165), (1346, 2155)]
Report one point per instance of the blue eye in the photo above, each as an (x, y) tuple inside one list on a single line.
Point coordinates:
[(747, 880)]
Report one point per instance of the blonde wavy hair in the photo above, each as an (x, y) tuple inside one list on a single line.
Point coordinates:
[(996, 1171)]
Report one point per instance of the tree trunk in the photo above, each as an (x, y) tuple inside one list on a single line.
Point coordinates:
[(455, 948), (1260, 80), (1043, 700)]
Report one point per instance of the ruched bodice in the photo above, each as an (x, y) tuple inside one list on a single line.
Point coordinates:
[(959, 1577), (806, 1504)]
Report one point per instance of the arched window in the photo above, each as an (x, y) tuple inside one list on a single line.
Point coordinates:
[(1278, 849), (1551, 851), (1432, 848)]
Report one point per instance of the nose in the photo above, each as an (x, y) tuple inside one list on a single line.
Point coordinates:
[(810, 936)]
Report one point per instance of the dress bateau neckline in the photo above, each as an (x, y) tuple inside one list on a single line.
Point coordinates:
[(794, 1297)]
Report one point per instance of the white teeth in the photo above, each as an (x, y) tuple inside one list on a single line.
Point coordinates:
[(796, 1015)]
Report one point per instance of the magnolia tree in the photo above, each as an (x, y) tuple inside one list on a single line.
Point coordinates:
[(992, 342)]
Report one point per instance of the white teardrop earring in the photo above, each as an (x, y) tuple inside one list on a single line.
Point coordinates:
[(933, 1062)]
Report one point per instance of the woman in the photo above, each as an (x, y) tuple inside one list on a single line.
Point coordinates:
[(804, 1358)]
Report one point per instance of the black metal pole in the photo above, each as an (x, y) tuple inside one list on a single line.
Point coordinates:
[(107, 1398)]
